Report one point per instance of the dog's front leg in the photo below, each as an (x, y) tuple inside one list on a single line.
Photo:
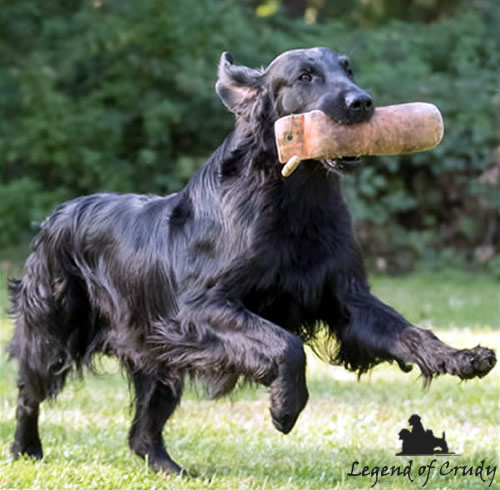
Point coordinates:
[(221, 340), (435, 357), (374, 332)]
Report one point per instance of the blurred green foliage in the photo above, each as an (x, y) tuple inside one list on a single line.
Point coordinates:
[(119, 95)]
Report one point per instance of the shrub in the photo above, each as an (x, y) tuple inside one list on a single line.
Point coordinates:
[(121, 98)]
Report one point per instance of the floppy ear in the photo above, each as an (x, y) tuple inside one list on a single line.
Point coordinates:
[(237, 86)]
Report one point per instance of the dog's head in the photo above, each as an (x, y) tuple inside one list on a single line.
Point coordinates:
[(404, 434), (297, 81)]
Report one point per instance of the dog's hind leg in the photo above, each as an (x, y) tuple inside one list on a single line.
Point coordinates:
[(155, 402), (31, 394), (35, 383), (222, 340), (27, 439), (40, 344)]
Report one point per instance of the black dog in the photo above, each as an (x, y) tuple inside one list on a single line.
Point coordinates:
[(226, 279)]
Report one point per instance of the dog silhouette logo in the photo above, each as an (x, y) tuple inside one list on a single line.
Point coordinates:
[(419, 441)]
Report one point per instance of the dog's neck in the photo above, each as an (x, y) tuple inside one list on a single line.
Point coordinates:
[(252, 152), (247, 161)]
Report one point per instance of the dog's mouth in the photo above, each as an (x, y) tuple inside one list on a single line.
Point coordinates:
[(344, 164)]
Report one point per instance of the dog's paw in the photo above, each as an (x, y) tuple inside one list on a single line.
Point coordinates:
[(283, 422), (287, 401), (33, 450), (478, 361), (167, 466)]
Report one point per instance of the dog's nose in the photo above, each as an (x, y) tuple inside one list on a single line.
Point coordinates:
[(360, 106)]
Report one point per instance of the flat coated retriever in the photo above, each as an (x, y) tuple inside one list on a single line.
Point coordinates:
[(226, 279)]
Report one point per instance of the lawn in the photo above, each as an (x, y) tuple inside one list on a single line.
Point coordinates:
[(230, 443)]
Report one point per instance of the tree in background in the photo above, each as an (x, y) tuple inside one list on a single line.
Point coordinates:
[(119, 95)]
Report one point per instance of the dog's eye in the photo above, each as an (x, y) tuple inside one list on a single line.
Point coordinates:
[(306, 77)]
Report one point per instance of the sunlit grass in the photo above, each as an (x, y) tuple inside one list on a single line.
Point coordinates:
[(442, 299)]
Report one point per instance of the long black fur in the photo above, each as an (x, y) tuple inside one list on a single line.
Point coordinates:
[(226, 279)]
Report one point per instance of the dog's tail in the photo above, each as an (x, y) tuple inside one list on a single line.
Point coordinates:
[(42, 334)]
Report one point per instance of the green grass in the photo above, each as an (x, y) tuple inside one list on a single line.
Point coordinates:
[(231, 443), (443, 299)]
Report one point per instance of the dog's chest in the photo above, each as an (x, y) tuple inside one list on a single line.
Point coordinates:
[(288, 303), (290, 270)]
